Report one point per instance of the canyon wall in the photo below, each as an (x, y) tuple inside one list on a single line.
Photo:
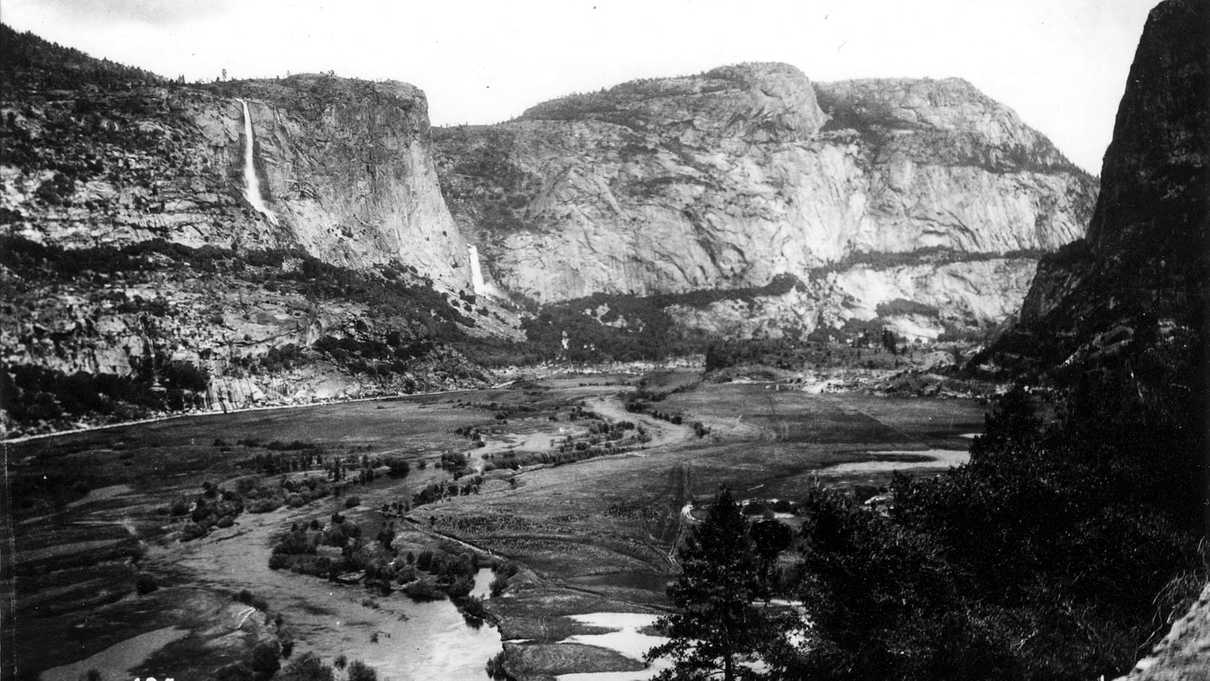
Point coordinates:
[(728, 178), (1142, 268), (137, 275), (345, 165)]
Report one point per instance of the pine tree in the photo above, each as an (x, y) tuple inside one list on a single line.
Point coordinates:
[(719, 622)]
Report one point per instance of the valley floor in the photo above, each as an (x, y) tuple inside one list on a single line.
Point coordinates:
[(587, 537)]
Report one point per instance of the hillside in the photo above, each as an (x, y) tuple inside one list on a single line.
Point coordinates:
[(172, 245), (869, 192), (138, 275), (1139, 277)]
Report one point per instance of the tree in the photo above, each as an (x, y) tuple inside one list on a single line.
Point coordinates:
[(264, 660), (308, 667), (719, 623), (769, 538), (359, 671), (890, 342)]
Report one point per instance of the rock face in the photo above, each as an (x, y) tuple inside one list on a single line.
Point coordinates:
[(1144, 260), (138, 274), (344, 164), (1184, 653), (348, 168), (1135, 291), (729, 178)]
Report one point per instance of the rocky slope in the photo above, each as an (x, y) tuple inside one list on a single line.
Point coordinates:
[(727, 179), (138, 273), (1142, 266), (1184, 652)]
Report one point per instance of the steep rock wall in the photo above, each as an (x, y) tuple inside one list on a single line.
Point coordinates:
[(1146, 257), (344, 164), (728, 178)]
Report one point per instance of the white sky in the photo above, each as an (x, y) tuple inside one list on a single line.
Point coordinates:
[(1061, 64)]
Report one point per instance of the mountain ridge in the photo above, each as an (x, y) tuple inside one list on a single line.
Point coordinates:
[(731, 177), (723, 184)]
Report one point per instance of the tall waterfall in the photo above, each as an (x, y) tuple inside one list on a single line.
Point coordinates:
[(251, 181), (477, 283)]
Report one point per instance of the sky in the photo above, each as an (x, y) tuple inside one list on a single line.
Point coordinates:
[(1060, 64)]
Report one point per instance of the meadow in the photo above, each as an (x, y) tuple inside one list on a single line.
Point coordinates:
[(98, 518)]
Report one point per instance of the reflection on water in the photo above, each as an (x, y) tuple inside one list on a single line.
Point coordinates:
[(625, 639)]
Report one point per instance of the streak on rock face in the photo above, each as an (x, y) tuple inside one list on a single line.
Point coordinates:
[(345, 164)]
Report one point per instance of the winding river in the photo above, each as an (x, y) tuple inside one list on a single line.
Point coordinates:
[(402, 639)]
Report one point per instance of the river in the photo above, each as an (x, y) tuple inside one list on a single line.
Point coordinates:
[(414, 641)]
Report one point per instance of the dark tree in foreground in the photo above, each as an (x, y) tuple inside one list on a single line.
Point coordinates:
[(1059, 553), (720, 624)]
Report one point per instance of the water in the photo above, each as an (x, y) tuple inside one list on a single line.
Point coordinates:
[(478, 285), (483, 583), (403, 640), (625, 639), (936, 459), (251, 181)]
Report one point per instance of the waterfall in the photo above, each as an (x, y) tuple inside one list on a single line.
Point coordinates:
[(251, 181), (477, 284)]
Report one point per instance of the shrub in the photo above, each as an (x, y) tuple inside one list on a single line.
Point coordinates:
[(307, 667), (359, 671), (352, 502), (473, 606), (461, 587), (398, 468), (192, 531), (495, 668), (423, 590), (248, 598), (145, 584), (236, 671), (264, 505), (265, 658), (498, 585), (286, 641), (179, 506)]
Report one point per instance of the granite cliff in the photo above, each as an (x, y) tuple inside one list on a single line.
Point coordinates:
[(344, 165), (244, 242), (726, 179), (140, 274), (1142, 267)]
